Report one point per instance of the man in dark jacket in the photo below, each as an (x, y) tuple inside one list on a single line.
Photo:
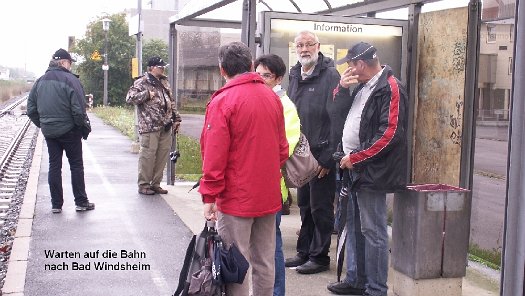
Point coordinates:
[(312, 81), (374, 141), (56, 105)]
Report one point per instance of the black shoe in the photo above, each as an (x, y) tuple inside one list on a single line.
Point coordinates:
[(294, 261), (87, 206), (311, 267), (342, 288)]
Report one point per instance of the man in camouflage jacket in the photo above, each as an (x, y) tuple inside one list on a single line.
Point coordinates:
[(158, 119)]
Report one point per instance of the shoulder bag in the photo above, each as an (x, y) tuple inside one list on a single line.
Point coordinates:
[(301, 167)]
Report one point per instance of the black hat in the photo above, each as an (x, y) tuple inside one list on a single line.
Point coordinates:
[(360, 51), (156, 61), (62, 54)]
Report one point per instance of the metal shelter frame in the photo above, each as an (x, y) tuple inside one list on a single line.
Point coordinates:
[(512, 276), (368, 8)]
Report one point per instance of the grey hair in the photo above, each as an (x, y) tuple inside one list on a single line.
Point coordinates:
[(54, 63), (235, 58), (307, 32)]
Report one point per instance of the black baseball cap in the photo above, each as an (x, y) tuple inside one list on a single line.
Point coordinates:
[(62, 54), (360, 51), (156, 61)]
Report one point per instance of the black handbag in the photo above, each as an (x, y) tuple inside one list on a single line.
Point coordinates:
[(196, 277), (231, 264)]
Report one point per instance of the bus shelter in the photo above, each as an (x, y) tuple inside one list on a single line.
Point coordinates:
[(436, 56)]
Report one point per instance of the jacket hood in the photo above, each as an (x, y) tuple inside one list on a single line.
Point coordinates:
[(248, 77)]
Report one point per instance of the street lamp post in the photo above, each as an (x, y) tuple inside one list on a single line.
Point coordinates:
[(105, 67)]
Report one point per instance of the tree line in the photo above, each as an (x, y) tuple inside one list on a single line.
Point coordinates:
[(121, 49)]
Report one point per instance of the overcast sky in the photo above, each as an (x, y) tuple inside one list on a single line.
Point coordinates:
[(32, 30)]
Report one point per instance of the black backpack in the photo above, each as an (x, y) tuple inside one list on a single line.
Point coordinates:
[(198, 275)]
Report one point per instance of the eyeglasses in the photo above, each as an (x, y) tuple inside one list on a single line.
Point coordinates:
[(307, 45), (160, 67), (266, 75)]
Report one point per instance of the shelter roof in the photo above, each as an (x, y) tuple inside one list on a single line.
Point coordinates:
[(231, 10)]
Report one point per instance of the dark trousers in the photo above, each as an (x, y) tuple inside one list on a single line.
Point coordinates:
[(71, 142), (316, 204)]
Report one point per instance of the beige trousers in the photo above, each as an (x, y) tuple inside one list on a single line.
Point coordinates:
[(255, 238), (153, 155)]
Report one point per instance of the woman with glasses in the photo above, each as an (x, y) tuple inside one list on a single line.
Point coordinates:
[(272, 70)]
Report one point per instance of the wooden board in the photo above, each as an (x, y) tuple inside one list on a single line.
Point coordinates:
[(440, 92)]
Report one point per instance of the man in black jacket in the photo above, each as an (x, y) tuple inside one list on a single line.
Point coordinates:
[(375, 147), (312, 81), (56, 105)]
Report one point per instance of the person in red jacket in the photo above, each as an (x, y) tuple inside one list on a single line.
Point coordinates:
[(243, 147)]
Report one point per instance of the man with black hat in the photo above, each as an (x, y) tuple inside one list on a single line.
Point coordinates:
[(56, 105), (158, 119), (375, 163)]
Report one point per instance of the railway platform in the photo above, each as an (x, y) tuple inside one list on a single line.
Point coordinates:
[(130, 244)]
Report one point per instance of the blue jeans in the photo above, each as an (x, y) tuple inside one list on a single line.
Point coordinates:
[(71, 143), (280, 272), (368, 242)]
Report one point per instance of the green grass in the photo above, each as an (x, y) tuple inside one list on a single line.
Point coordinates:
[(489, 258), (188, 165), (120, 118)]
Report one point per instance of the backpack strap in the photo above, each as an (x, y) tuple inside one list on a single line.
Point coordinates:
[(183, 284)]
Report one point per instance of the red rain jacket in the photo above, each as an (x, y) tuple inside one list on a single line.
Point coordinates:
[(243, 146)]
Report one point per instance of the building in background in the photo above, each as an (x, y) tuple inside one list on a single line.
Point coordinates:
[(198, 72), (496, 61), (4, 73)]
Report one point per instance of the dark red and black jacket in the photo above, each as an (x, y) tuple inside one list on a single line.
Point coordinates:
[(381, 159)]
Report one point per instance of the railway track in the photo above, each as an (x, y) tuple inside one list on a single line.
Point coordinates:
[(17, 141)]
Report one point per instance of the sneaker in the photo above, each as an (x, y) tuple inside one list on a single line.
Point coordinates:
[(56, 210), (159, 190), (87, 206)]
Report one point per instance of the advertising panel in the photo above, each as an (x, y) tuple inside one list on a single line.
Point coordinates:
[(336, 35)]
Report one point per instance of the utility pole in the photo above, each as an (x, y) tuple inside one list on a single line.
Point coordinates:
[(139, 37), (138, 51), (105, 67)]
